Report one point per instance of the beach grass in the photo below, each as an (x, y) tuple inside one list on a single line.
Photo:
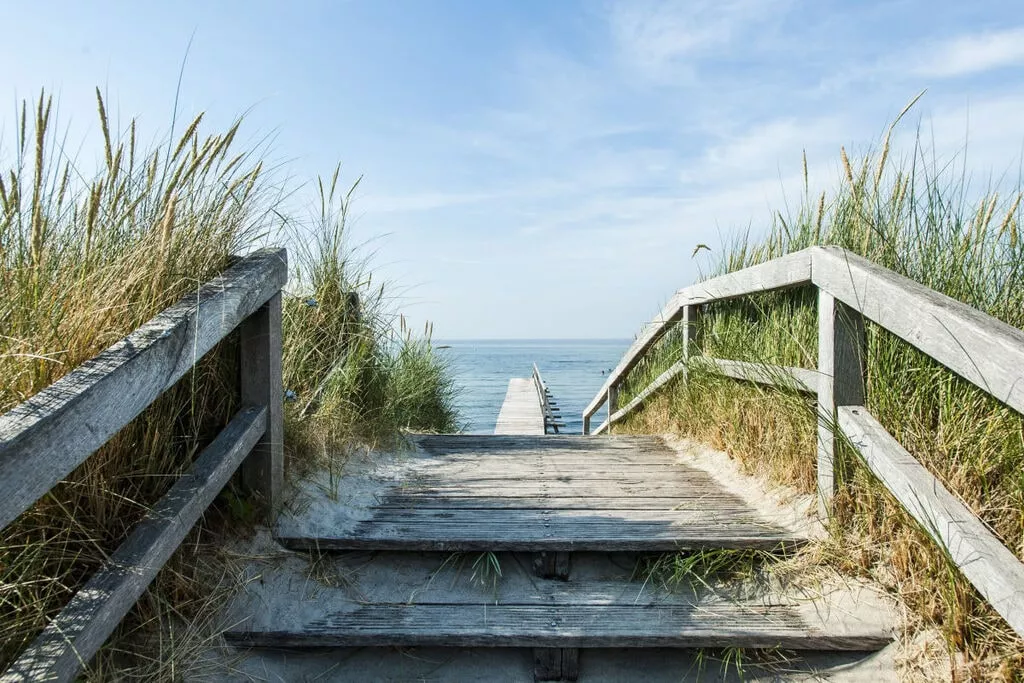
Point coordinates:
[(923, 218), (87, 256)]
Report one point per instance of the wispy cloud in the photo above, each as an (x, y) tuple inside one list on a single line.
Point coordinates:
[(661, 38), (970, 54)]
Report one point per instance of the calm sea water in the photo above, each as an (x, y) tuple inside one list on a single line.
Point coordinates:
[(573, 369)]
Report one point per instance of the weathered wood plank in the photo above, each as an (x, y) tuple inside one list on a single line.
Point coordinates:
[(782, 377), (570, 663), (552, 502), (791, 270), (993, 569), (556, 664), (510, 503), (512, 489), (809, 626), (521, 412), (547, 664), (628, 518), (402, 583), (74, 636), (984, 351), (43, 439), (787, 271), (262, 473), (842, 377)]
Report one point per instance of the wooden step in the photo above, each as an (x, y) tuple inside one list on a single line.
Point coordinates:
[(410, 600), (533, 493)]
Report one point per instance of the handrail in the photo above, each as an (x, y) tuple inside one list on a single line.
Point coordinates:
[(983, 350), (544, 398), (44, 438), (791, 270)]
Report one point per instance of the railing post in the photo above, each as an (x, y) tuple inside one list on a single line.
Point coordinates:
[(691, 323), (613, 403), (586, 424), (260, 350), (842, 366)]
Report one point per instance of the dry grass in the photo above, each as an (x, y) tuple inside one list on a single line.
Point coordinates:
[(914, 218), (87, 257)]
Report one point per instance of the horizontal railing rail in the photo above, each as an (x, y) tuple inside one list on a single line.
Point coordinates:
[(983, 350), (546, 404), (43, 439)]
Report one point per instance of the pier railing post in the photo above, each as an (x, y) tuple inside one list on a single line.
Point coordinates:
[(842, 368), (262, 472), (613, 403), (691, 323)]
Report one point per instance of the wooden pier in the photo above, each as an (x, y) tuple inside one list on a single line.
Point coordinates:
[(528, 408), (521, 412)]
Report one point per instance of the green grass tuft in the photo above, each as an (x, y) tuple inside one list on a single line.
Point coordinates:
[(916, 217), (85, 258)]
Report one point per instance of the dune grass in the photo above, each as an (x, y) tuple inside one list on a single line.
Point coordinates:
[(921, 218), (87, 256)]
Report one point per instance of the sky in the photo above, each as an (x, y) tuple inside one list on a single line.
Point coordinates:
[(541, 168)]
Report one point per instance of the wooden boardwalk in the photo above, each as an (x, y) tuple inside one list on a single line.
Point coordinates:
[(521, 413), (553, 493)]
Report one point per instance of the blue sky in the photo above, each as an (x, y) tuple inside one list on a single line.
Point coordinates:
[(544, 168)]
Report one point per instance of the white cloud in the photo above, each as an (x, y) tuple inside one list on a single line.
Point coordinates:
[(660, 38), (971, 54), (763, 148)]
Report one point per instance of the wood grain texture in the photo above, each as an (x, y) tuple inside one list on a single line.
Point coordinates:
[(534, 493), (43, 439), (992, 568), (78, 631), (262, 473), (556, 664), (791, 270), (984, 351), (808, 626), (842, 377), (779, 376)]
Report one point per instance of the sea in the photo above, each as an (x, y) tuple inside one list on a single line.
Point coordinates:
[(573, 370)]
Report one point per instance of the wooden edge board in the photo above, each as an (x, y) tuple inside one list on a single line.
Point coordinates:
[(780, 376), (812, 624), (780, 542), (78, 631), (983, 350), (992, 568), (790, 270), (46, 437)]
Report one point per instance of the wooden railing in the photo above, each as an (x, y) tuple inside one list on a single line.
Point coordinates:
[(547, 404), (976, 346), (43, 439)]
